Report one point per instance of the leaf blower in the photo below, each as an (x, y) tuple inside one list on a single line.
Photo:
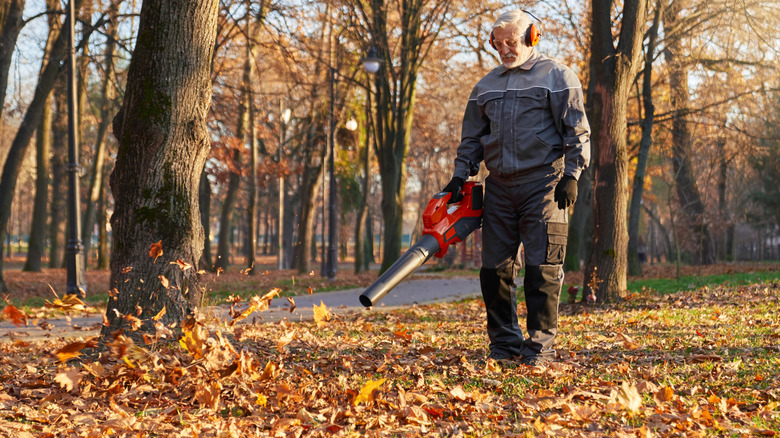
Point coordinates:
[(443, 225)]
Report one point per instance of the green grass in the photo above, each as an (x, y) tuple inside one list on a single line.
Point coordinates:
[(670, 285)]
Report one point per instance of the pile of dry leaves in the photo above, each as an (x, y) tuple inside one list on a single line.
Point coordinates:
[(696, 363)]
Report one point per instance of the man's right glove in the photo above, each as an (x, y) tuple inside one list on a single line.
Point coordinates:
[(454, 187)]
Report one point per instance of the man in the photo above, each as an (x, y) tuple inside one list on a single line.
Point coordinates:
[(526, 120)]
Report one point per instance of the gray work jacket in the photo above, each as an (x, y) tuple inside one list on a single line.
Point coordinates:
[(525, 123)]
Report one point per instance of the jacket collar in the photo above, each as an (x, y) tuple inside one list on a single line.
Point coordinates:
[(527, 65)]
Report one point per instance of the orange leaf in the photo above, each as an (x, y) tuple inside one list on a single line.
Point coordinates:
[(164, 281), (155, 250), (15, 315), (74, 349), (433, 412), (182, 264), (367, 392), (159, 314), (321, 314), (403, 334)]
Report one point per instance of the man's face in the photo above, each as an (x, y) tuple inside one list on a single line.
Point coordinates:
[(510, 45)]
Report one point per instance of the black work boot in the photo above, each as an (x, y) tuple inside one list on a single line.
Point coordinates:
[(498, 291), (542, 286)]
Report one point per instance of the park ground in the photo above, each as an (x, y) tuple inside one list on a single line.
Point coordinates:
[(697, 357)]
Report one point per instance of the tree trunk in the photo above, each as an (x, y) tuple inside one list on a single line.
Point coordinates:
[(634, 264), (396, 88), (313, 158), (362, 213), (108, 96), (204, 200), (163, 146), (43, 144), (102, 221), (31, 120), (59, 179), (614, 69), (11, 24), (692, 207), (581, 224), (225, 229)]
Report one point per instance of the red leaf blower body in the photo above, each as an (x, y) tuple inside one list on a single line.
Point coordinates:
[(443, 225)]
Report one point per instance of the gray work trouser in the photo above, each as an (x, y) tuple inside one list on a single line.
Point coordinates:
[(527, 214)]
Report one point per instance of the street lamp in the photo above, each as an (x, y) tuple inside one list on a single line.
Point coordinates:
[(284, 119), (371, 64), (75, 249)]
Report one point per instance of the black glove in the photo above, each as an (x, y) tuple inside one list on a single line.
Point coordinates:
[(566, 192), (454, 186)]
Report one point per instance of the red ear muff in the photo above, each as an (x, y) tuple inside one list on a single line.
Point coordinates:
[(492, 44), (532, 36)]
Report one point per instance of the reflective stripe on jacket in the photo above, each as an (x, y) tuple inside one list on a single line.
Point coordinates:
[(525, 122)]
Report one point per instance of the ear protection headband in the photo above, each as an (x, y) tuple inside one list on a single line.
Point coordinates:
[(532, 34)]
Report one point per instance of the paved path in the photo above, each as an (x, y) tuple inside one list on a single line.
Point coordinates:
[(416, 291)]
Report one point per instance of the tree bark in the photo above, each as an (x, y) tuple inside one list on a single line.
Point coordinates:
[(311, 177), (108, 96), (31, 120), (226, 212), (11, 24), (204, 201), (163, 146), (395, 99), (43, 144), (634, 264), (691, 204), (57, 208), (613, 69)]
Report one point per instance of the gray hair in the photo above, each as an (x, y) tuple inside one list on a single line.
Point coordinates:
[(518, 17)]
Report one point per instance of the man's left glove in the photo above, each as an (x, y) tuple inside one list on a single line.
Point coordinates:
[(566, 192)]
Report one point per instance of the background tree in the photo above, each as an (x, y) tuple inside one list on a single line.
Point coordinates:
[(613, 67), (163, 145)]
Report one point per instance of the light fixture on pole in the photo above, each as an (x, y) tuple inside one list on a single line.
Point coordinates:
[(75, 249), (371, 63)]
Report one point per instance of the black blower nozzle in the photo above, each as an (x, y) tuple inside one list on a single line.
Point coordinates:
[(412, 259)]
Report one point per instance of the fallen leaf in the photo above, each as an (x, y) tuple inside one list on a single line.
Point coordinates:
[(367, 392), (628, 397), (68, 379), (164, 281), (321, 314), (292, 303), (285, 340)]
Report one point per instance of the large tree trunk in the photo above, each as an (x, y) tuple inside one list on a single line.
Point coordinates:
[(313, 158), (59, 180), (43, 144), (108, 96), (614, 69), (163, 146), (11, 24), (699, 240), (396, 87), (634, 264)]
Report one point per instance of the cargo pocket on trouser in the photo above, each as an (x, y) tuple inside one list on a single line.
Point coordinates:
[(557, 235)]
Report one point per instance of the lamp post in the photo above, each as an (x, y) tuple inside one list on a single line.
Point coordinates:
[(371, 64), (75, 249), (283, 119)]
